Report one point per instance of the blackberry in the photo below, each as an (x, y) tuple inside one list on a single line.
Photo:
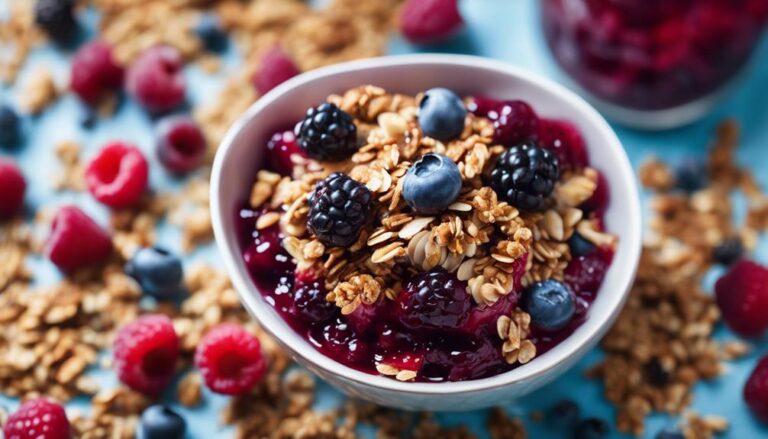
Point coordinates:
[(57, 19), (339, 208), (525, 176), (327, 133), (434, 300)]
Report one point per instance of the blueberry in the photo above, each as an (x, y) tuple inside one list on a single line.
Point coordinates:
[(161, 422), (580, 246), (210, 32), (592, 428), (157, 271), (10, 127), (728, 251), (564, 414), (441, 114), (691, 174), (432, 184), (550, 304), (656, 373), (670, 433)]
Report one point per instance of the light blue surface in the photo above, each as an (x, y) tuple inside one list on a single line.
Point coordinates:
[(502, 29)]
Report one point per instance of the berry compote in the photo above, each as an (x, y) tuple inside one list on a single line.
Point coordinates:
[(414, 320), (652, 54)]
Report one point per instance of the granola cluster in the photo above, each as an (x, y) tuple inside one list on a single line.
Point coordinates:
[(400, 243)]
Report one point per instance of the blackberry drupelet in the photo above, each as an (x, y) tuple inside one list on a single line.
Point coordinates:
[(434, 300), (339, 208), (327, 133), (57, 19), (525, 176)]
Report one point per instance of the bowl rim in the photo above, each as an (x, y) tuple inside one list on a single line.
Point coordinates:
[(593, 327)]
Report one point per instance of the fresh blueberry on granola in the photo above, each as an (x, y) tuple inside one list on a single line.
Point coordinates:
[(408, 241)]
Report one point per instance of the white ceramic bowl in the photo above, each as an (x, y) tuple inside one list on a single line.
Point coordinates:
[(242, 151)]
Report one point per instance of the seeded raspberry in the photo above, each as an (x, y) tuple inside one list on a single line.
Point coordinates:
[(756, 390), (230, 360), (145, 353), (118, 175), (742, 295), (276, 68), (13, 187), (430, 21), (95, 72), (76, 241), (156, 79), (181, 144), (38, 418)]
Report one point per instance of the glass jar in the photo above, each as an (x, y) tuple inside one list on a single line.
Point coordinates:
[(653, 63)]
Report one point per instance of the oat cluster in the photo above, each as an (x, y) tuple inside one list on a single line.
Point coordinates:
[(662, 345), (400, 243)]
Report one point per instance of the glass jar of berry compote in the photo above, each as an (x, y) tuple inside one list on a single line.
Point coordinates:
[(653, 63)]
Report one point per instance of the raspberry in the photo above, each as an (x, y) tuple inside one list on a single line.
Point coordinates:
[(433, 300), (57, 19), (181, 144), (76, 241), (230, 360), (525, 176), (145, 353), (327, 133), (514, 121), (10, 127), (282, 148), (118, 175), (13, 187), (756, 390), (742, 295), (564, 139), (430, 21), (38, 418), (95, 72), (276, 68), (339, 208), (156, 79)]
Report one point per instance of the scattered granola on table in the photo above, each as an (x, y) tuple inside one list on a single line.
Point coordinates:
[(662, 344)]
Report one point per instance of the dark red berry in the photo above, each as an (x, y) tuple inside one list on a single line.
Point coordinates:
[(230, 360), (756, 390), (13, 187), (585, 274), (600, 198), (339, 341), (276, 68), (181, 145), (310, 304), (118, 175), (742, 295), (76, 241), (265, 256), (156, 79), (95, 72), (413, 361), (461, 358), (145, 353), (430, 21), (433, 300), (514, 121), (565, 140), (365, 316), (38, 418), (283, 151)]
